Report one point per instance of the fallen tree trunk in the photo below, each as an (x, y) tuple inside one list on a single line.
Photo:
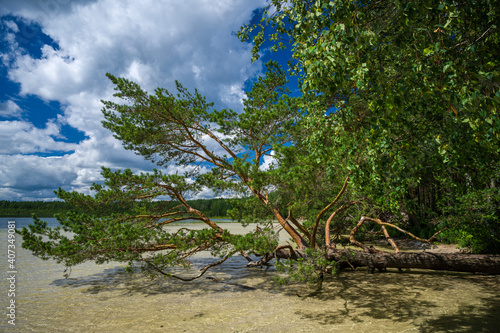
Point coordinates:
[(457, 262)]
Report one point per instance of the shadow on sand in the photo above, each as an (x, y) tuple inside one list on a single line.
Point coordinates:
[(429, 301), (416, 297)]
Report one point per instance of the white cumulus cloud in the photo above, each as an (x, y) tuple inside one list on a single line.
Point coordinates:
[(22, 137), (9, 109), (150, 42)]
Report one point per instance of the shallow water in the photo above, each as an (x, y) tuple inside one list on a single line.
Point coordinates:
[(107, 299)]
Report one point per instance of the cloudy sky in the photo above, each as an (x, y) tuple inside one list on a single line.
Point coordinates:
[(54, 55)]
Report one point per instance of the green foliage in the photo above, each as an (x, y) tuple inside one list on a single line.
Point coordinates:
[(147, 121), (124, 220), (96, 230), (261, 241), (476, 216), (249, 210), (404, 94), (308, 270)]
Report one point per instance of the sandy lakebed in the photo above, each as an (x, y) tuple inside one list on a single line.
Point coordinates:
[(105, 298)]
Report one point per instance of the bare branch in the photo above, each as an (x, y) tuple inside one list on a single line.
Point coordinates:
[(389, 239), (383, 225)]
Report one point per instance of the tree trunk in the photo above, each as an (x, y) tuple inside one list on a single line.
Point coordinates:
[(458, 262)]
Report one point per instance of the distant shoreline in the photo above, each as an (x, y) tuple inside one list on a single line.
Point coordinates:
[(216, 208)]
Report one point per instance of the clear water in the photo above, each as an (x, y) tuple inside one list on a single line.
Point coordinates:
[(107, 299)]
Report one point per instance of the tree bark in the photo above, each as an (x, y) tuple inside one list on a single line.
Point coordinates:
[(458, 262)]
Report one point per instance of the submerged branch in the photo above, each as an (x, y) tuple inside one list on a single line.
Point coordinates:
[(203, 270)]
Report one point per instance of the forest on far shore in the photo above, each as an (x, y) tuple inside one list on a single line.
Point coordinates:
[(212, 207)]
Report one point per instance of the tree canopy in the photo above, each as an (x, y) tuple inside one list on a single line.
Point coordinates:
[(408, 90), (396, 131)]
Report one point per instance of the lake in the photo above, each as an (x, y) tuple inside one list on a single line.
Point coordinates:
[(105, 298)]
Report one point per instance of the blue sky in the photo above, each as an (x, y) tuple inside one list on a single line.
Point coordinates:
[(54, 55)]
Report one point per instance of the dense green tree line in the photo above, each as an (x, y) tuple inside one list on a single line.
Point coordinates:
[(27, 208), (214, 207)]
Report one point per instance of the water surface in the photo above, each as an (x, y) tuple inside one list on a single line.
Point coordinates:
[(105, 298)]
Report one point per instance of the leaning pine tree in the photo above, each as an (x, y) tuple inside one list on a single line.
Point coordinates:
[(118, 224)]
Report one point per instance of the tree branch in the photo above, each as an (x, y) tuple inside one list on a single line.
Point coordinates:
[(203, 270), (320, 215)]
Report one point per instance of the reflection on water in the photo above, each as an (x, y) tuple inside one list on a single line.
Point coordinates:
[(107, 299)]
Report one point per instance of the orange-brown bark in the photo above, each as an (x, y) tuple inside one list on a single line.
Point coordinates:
[(324, 210)]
